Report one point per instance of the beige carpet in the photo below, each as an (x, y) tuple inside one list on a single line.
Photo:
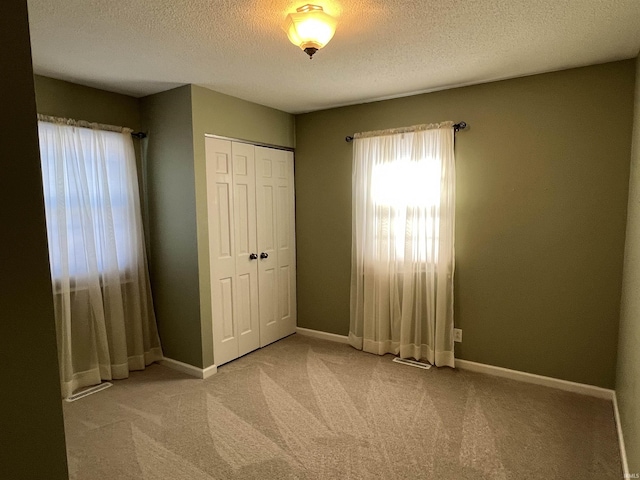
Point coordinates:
[(305, 408)]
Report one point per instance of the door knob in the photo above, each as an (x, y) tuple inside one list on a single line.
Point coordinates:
[(253, 256), (264, 255)]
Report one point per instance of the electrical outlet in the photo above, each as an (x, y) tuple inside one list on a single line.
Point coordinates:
[(457, 335)]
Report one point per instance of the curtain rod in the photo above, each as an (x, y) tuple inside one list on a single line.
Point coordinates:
[(93, 125), (456, 128)]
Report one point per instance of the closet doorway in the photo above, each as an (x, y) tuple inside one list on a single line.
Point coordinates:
[(251, 217)]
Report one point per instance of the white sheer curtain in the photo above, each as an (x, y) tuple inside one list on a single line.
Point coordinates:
[(403, 243), (103, 309)]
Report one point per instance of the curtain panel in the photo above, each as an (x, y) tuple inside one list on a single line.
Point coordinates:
[(403, 243), (104, 314)]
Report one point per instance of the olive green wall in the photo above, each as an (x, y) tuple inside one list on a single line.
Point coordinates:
[(628, 372), (31, 423), (173, 256), (69, 100), (174, 154), (542, 180), (219, 114)]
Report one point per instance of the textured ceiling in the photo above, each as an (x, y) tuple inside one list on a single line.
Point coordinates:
[(381, 48)]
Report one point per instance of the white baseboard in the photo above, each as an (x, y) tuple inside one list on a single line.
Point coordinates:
[(188, 369), (623, 450), (209, 371), (307, 332), (565, 385)]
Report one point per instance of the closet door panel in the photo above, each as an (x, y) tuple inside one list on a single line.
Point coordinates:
[(285, 219), (284, 295), (244, 187), (268, 289), (245, 296), (267, 201), (225, 298), (220, 203)]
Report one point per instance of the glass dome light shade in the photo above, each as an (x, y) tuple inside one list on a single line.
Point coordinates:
[(310, 27)]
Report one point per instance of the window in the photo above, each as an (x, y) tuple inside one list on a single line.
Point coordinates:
[(402, 263), (90, 195), (406, 197)]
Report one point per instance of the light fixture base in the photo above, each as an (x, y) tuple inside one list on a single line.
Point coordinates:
[(310, 51)]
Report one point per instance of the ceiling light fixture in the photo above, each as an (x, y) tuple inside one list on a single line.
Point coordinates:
[(310, 28)]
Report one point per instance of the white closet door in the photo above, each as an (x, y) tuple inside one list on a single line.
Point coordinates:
[(246, 292), (222, 259), (276, 242), (286, 246)]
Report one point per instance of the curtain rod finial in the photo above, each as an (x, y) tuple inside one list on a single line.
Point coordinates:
[(459, 126)]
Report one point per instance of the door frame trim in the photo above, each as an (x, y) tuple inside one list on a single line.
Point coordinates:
[(250, 142)]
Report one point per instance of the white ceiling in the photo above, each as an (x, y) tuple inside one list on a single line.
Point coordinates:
[(381, 49)]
